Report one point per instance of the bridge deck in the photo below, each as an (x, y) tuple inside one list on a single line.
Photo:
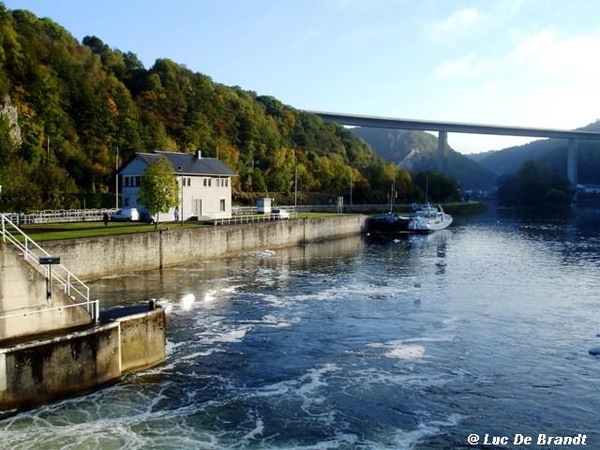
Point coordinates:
[(453, 127)]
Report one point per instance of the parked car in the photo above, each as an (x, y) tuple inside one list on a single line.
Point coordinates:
[(146, 217), (280, 214), (126, 215)]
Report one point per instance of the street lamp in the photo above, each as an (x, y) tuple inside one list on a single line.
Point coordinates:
[(180, 170), (350, 186), (117, 180)]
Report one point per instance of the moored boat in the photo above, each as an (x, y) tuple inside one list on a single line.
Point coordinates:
[(388, 223), (428, 218)]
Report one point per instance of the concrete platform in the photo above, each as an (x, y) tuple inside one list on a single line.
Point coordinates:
[(44, 368)]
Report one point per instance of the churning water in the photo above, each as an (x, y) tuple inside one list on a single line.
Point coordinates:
[(419, 342)]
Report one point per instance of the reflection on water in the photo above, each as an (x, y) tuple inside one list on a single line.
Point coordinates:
[(412, 342)]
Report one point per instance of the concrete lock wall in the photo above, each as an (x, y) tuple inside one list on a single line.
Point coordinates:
[(41, 371), (143, 340), (24, 304), (95, 257)]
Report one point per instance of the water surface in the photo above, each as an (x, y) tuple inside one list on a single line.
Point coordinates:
[(416, 342)]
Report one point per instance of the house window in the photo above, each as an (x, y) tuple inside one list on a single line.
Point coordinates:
[(226, 182), (189, 181), (205, 182), (137, 181), (222, 204)]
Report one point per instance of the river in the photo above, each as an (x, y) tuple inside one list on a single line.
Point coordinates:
[(479, 333)]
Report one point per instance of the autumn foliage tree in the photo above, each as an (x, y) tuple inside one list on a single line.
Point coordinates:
[(78, 103), (158, 188)]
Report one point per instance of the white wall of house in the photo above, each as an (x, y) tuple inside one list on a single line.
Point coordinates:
[(205, 197)]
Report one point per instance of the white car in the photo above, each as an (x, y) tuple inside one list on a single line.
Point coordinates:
[(280, 214), (126, 215)]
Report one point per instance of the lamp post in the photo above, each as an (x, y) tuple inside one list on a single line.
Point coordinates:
[(351, 186), (180, 170), (296, 189), (117, 180)]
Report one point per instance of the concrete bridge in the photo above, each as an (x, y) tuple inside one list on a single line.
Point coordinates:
[(443, 128)]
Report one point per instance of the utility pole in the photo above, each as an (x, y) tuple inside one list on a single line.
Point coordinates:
[(350, 186), (117, 179), (296, 189)]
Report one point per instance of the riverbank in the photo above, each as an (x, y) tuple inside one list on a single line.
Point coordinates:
[(95, 257)]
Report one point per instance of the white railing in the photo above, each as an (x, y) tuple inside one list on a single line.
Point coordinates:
[(75, 289), (59, 215), (249, 218), (92, 307)]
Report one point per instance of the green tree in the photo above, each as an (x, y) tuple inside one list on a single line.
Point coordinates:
[(534, 185), (158, 188), (437, 186)]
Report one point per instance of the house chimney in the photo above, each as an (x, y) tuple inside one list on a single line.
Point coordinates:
[(198, 154)]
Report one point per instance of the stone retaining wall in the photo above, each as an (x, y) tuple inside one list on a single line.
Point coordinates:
[(96, 257)]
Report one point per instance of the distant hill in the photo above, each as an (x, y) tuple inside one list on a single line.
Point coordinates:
[(416, 151), (549, 151)]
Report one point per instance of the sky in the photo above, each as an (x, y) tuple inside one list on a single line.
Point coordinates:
[(531, 63)]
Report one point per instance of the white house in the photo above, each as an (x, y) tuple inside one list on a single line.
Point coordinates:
[(204, 184)]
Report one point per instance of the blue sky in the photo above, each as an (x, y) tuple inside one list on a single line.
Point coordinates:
[(506, 62)]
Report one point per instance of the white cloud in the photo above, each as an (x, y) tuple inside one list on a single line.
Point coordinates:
[(495, 84), (453, 69), (468, 66), (460, 23), (570, 58)]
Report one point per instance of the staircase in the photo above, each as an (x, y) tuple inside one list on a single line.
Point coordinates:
[(56, 274)]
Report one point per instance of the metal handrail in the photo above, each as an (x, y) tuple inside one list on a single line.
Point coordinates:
[(249, 218), (92, 307), (31, 251)]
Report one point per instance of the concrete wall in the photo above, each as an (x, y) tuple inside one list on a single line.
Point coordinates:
[(25, 308), (41, 371), (95, 257), (143, 340)]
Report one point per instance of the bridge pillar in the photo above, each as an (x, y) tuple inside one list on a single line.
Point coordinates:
[(442, 150), (572, 161)]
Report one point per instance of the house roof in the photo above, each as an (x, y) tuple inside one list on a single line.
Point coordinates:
[(189, 163)]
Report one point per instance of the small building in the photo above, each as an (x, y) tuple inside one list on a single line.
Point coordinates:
[(204, 184), (263, 205)]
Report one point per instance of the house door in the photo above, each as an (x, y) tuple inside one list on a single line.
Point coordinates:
[(198, 207)]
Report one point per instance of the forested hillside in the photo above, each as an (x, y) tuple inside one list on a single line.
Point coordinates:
[(417, 151), (552, 152), (68, 108)]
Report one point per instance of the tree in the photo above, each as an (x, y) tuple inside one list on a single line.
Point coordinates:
[(437, 186), (158, 188), (535, 185)]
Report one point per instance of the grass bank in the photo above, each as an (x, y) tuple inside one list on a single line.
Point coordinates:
[(70, 230)]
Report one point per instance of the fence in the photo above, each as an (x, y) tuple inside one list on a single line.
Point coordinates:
[(75, 289), (249, 218), (82, 215), (59, 215)]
